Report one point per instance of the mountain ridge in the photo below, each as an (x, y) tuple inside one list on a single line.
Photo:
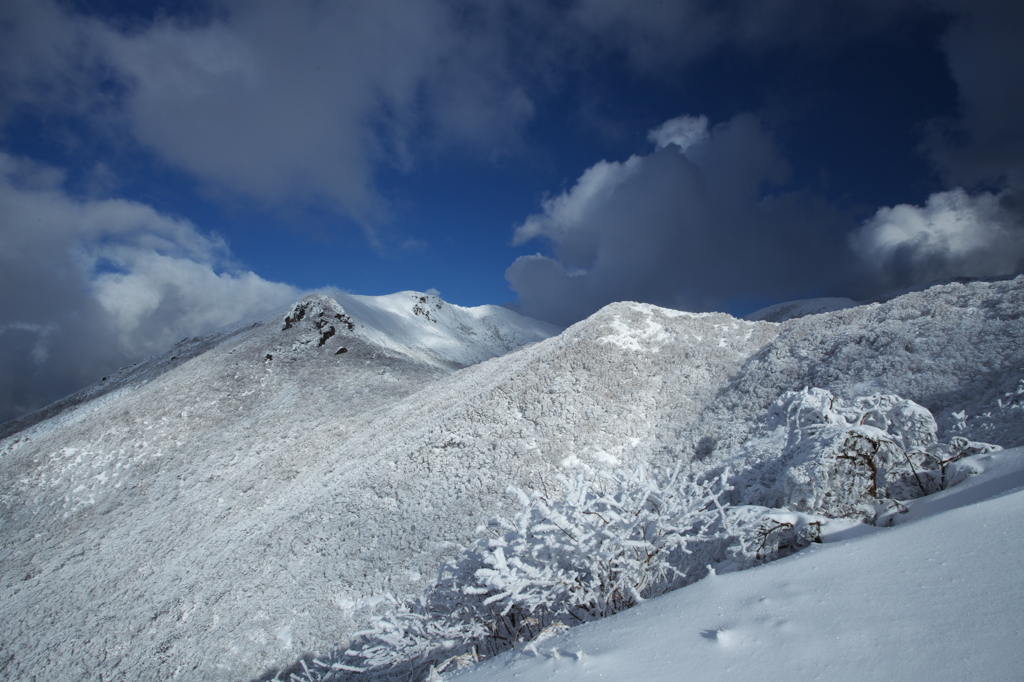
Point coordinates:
[(227, 515), (391, 324)]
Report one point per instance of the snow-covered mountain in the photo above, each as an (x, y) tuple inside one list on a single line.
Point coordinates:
[(183, 517), (220, 511)]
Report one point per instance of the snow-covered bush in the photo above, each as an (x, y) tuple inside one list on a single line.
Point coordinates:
[(821, 455), (599, 550), (760, 534), (602, 548)]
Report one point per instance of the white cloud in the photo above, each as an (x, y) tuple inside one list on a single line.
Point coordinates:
[(689, 230), (953, 234), (94, 285), (684, 132), (571, 211), (281, 102)]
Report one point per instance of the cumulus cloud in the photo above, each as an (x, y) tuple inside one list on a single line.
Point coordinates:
[(299, 101), (93, 285), (690, 225), (683, 132), (952, 235), (695, 225)]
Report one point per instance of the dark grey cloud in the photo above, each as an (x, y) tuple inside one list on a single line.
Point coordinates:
[(698, 227), (984, 47), (299, 101), (92, 285), (689, 226), (695, 225)]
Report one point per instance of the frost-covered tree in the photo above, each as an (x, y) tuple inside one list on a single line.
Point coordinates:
[(821, 455)]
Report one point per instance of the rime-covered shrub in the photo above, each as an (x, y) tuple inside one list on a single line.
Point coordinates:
[(601, 548), (761, 534), (821, 455)]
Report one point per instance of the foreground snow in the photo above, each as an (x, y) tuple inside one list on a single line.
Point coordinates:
[(938, 597)]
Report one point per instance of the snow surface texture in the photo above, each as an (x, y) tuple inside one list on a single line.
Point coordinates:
[(223, 517), (936, 598)]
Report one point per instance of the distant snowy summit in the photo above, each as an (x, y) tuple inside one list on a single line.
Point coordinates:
[(412, 325), (426, 328), (790, 310)]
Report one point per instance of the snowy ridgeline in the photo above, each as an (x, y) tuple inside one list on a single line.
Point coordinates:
[(226, 515)]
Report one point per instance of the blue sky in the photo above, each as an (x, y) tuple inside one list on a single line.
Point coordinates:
[(168, 168)]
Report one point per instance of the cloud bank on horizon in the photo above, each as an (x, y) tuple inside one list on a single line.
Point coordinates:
[(700, 221), (330, 106), (91, 284), (687, 226)]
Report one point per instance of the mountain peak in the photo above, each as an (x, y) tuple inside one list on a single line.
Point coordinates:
[(428, 329)]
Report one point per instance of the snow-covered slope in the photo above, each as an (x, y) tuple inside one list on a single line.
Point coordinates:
[(935, 598), (222, 516), (455, 336), (177, 525), (419, 326)]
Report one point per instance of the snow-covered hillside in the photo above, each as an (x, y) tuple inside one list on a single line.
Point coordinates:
[(936, 598), (177, 525), (221, 515)]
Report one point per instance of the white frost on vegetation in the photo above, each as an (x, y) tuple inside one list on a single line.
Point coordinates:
[(867, 605), (607, 544), (192, 509)]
